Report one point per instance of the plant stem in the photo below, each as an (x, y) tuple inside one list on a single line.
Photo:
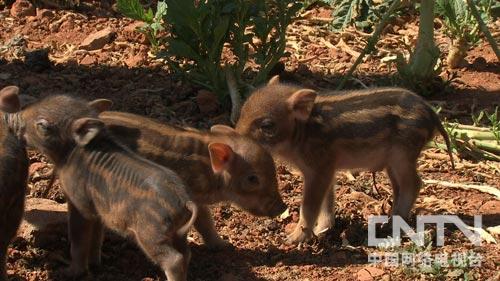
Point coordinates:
[(469, 134), (232, 86), (488, 146), (370, 45), (466, 127), (423, 60), (484, 28)]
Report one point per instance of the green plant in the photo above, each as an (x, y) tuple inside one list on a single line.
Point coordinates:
[(422, 68), (476, 119), (361, 13), (461, 26), (153, 20), (211, 40), (494, 124)]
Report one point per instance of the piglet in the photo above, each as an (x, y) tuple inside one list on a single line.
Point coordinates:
[(13, 172), (217, 166), (107, 184), (373, 129)]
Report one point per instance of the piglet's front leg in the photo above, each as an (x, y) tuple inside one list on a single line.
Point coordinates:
[(315, 189), (204, 224), (80, 233), (96, 244)]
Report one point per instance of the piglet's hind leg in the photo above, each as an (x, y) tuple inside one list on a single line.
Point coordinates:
[(160, 249)]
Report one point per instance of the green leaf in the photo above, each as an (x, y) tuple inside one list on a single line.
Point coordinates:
[(183, 13), (220, 32), (161, 10), (149, 16), (132, 9), (180, 49), (343, 13)]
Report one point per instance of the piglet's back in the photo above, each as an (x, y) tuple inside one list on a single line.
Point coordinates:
[(368, 113), (120, 174)]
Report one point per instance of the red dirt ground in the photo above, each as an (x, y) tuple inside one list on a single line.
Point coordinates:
[(123, 72)]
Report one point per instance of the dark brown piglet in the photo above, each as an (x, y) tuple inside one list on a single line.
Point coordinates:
[(372, 129), (217, 166), (107, 184), (13, 172)]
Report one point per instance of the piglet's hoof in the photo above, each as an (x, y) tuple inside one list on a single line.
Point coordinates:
[(299, 235), (219, 245), (323, 226)]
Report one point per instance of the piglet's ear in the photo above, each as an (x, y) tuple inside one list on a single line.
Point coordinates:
[(9, 99), (301, 103), (85, 130), (274, 80), (221, 156), (101, 105), (223, 129)]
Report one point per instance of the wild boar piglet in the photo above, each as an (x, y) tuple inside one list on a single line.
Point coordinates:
[(13, 172), (372, 129), (107, 184), (216, 166)]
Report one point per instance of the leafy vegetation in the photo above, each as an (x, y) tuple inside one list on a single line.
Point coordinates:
[(363, 14), (209, 39), (153, 20), (461, 26), (475, 142)]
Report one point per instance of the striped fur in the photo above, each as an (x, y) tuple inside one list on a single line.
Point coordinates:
[(108, 184), (13, 179), (372, 129), (185, 151)]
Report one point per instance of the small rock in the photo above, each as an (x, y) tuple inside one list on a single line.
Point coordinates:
[(22, 8), (67, 25), (369, 273), (54, 27), (44, 13), (38, 60), (480, 63), (44, 221), (88, 60), (207, 101), (97, 40), (490, 208), (132, 35), (132, 27), (135, 61), (36, 166)]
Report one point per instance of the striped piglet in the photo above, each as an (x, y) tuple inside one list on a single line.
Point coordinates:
[(373, 129)]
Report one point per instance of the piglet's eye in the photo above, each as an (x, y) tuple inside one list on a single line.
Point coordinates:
[(253, 179), (267, 125), (42, 126)]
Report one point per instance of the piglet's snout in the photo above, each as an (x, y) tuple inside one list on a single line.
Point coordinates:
[(276, 208)]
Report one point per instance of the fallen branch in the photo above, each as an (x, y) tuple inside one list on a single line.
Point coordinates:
[(483, 188)]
